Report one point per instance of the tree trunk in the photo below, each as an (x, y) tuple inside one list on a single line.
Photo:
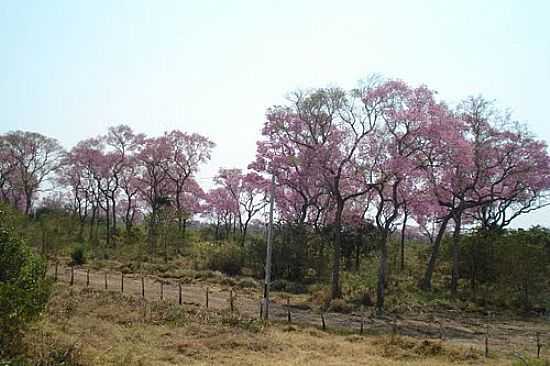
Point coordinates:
[(107, 216), (456, 254), (403, 232), (92, 223), (152, 232), (380, 286), (358, 246), (336, 290), (426, 282), (113, 209)]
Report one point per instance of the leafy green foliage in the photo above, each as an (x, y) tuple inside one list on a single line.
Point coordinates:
[(224, 258), (23, 290), (78, 255)]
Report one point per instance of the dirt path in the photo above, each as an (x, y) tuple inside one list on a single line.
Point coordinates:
[(505, 335)]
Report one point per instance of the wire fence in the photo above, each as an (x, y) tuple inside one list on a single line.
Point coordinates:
[(152, 288)]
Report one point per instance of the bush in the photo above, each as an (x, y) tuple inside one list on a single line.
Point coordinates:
[(23, 290), (226, 259), (339, 306), (288, 286), (78, 255), (248, 282)]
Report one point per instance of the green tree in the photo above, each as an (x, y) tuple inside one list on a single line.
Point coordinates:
[(23, 290)]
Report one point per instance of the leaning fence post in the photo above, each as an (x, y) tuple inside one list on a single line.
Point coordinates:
[(88, 278), (72, 275)]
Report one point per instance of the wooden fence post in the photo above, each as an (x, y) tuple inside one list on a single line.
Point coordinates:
[(231, 304), (362, 320), (288, 315), (207, 297), (487, 340), (72, 275), (106, 286), (394, 331), (45, 269), (122, 282), (323, 324), (142, 287), (261, 309), (180, 297), (88, 278), (539, 345), (162, 290), (56, 267)]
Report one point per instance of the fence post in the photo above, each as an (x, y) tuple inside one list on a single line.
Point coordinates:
[(161, 290), (142, 287), (72, 275), (180, 297), (106, 286), (88, 278), (487, 341), (323, 324), (122, 282), (362, 320), (394, 327), (539, 345), (231, 304), (56, 267), (207, 297), (261, 309), (288, 315), (45, 269)]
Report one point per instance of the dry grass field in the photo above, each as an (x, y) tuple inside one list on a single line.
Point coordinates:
[(94, 327)]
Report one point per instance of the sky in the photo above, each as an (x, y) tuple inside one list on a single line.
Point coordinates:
[(71, 69)]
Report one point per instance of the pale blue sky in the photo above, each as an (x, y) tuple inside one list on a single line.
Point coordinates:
[(71, 68)]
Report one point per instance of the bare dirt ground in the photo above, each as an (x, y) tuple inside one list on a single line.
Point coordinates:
[(506, 335)]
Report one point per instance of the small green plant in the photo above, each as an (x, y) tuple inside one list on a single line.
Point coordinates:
[(78, 255)]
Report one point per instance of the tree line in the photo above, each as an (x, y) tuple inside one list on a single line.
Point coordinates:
[(350, 167)]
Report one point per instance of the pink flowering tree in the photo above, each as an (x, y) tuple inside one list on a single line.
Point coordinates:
[(248, 191), (187, 153), (31, 159)]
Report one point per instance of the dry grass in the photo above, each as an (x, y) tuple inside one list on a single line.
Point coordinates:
[(88, 327)]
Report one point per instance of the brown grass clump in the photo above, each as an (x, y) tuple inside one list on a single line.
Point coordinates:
[(400, 347)]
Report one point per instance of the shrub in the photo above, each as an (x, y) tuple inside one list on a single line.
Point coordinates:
[(78, 255), (226, 259), (288, 286), (339, 306), (23, 290), (248, 282)]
